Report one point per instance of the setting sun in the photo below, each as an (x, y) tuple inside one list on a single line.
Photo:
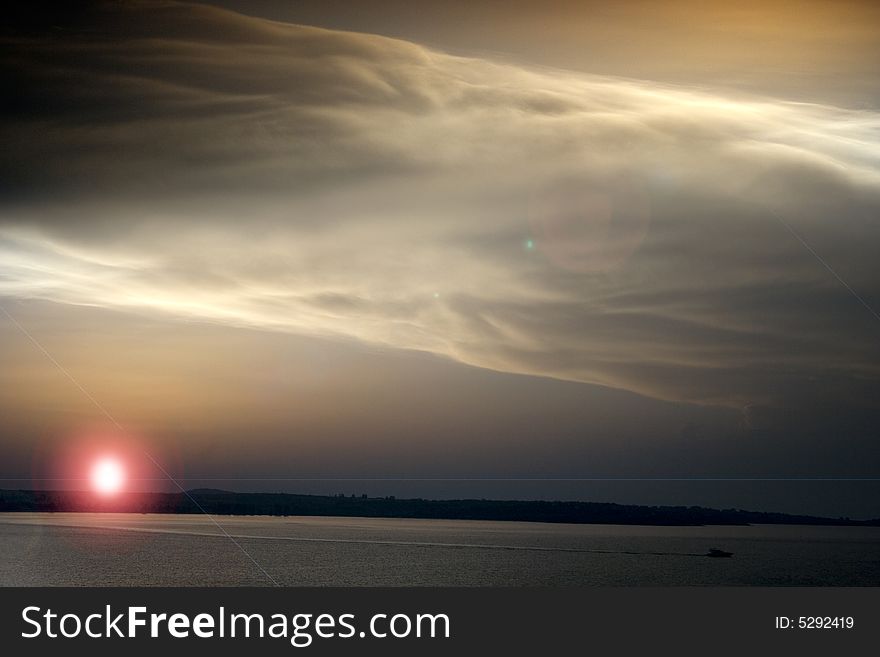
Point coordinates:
[(108, 476)]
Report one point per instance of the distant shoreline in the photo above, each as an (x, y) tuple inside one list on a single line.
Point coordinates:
[(220, 502)]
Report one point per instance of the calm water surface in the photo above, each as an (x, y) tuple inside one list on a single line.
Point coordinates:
[(41, 549)]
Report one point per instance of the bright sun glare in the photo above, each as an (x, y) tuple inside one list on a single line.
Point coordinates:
[(107, 476)]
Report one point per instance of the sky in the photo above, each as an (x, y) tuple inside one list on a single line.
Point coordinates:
[(504, 247)]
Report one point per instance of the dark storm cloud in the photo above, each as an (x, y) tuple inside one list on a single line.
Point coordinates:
[(192, 161)]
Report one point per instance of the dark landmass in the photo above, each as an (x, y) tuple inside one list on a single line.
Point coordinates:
[(283, 504)]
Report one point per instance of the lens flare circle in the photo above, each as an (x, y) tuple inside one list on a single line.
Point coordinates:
[(108, 476)]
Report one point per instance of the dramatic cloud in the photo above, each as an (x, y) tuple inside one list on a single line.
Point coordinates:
[(196, 162)]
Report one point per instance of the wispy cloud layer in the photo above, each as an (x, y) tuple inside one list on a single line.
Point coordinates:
[(221, 168)]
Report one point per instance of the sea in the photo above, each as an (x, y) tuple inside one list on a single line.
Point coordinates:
[(105, 549)]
